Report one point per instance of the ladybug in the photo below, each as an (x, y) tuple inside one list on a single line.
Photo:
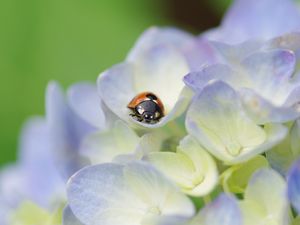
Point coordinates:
[(146, 107)]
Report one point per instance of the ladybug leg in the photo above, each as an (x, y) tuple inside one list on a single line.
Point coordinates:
[(136, 117)]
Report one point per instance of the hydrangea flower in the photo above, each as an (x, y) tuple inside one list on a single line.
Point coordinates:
[(222, 153), (158, 58), (49, 154)]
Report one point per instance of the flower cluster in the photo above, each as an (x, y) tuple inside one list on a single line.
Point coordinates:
[(187, 130)]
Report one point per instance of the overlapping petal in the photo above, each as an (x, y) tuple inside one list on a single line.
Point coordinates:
[(69, 122), (265, 200), (264, 81), (217, 120), (190, 167), (236, 178), (159, 57), (104, 146), (116, 194)]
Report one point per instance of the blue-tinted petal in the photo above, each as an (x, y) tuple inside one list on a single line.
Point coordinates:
[(4, 213), (165, 220), (11, 189), (263, 111), (66, 131), (35, 176), (269, 73), (224, 210), (84, 100), (69, 218), (234, 54), (197, 52), (42, 182), (294, 185), (262, 19), (198, 80)]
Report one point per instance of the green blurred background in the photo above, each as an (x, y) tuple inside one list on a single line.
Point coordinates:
[(74, 40)]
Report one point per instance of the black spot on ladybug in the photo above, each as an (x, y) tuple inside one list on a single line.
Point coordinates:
[(151, 96)]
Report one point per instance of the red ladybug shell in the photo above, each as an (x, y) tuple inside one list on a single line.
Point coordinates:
[(143, 97)]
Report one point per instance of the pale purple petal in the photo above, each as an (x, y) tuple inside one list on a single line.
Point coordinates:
[(269, 73), (197, 52), (42, 181), (85, 102), (224, 210), (294, 185), (263, 19), (69, 218), (11, 179), (35, 176), (198, 80), (66, 131), (262, 111), (234, 54)]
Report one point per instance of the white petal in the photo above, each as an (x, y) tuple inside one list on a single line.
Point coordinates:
[(101, 147), (109, 194), (216, 119), (266, 194), (116, 88), (156, 68), (191, 167)]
